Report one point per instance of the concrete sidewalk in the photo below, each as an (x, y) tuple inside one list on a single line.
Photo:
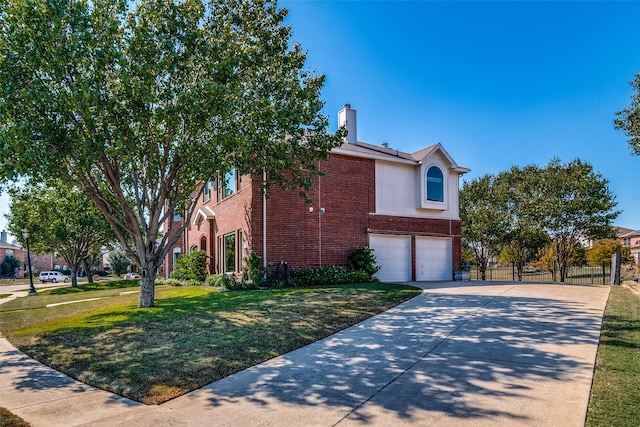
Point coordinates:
[(464, 354)]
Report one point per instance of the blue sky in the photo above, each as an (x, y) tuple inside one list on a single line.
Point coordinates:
[(497, 83)]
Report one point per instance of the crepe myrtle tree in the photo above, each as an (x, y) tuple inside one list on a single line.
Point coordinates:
[(60, 219), (137, 102)]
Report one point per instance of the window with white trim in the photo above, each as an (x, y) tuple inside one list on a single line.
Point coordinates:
[(434, 185)]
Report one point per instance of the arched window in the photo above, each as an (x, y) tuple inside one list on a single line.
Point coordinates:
[(435, 184)]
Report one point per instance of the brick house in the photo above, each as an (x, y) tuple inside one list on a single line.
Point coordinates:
[(10, 250), (404, 206)]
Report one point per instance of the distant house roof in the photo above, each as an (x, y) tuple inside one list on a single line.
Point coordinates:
[(632, 233), (5, 245)]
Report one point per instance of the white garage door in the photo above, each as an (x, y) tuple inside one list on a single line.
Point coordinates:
[(433, 259), (393, 255)]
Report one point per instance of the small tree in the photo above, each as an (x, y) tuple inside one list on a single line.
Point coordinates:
[(602, 251), (118, 261), (9, 266), (364, 259), (484, 220)]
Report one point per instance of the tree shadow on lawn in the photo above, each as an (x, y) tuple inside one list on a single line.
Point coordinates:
[(186, 342), (443, 354)]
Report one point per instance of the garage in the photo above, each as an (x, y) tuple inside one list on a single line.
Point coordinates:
[(433, 259), (393, 255)]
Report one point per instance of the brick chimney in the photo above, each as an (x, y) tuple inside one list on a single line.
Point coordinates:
[(347, 118), (3, 236)]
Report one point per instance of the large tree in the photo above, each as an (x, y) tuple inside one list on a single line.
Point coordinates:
[(483, 218), (136, 102), (629, 119), (574, 204), (523, 236), (61, 220)]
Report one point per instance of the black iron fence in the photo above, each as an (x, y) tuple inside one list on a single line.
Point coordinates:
[(600, 275)]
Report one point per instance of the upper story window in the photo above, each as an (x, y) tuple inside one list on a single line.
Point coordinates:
[(206, 194), (230, 183), (435, 184)]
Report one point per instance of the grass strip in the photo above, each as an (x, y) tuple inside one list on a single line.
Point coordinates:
[(192, 337), (615, 400), (8, 419)]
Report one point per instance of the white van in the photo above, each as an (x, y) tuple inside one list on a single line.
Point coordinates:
[(53, 277)]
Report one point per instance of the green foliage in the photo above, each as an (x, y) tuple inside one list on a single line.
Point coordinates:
[(8, 419), (603, 250), (60, 219), (229, 281), (191, 267), (122, 98), (629, 119), (484, 221), (525, 208), (118, 261), (364, 259), (254, 270), (327, 275), (9, 266), (214, 280)]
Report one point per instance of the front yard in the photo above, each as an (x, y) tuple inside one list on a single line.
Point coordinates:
[(193, 336)]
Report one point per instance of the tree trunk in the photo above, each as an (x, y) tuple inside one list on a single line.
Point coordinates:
[(147, 285), (87, 270), (74, 277)]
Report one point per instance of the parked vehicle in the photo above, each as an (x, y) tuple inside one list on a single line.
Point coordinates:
[(53, 277)]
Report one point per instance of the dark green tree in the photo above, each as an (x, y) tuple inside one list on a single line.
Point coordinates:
[(135, 102), (574, 203), (629, 119), (484, 220), (523, 236), (60, 219)]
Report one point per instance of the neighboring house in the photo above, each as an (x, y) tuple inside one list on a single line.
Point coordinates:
[(404, 206), (631, 240), (8, 249)]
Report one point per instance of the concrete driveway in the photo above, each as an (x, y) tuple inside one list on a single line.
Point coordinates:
[(463, 354)]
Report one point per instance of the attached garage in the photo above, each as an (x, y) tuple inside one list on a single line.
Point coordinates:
[(393, 255), (433, 259)]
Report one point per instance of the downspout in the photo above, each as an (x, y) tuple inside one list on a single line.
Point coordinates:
[(320, 210), (264, 223)]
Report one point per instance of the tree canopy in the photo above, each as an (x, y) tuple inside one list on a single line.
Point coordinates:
[(137, 102), (522, 209), (61, 220), (629, 119)]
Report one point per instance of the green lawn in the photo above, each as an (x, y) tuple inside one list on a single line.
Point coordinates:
[(193, 335), (615, 393), (8, 419)]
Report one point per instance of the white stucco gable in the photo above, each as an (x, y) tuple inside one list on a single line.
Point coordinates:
[(420, 184)]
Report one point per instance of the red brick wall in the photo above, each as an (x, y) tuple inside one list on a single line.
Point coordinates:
[(309, 238), (304, 238)]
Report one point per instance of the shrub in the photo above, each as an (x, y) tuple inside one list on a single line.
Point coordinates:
[(191, 267), (214, 280), (363, 259), (230, 283), (253, 270), (327, 275), (10, 266)]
